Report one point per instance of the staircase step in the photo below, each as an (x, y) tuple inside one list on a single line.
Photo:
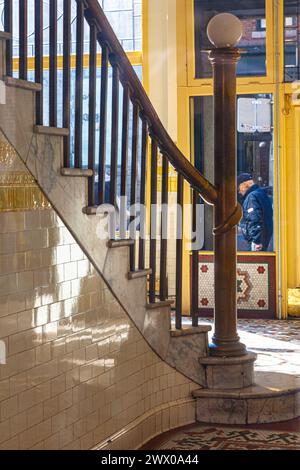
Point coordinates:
[(119, 243), (139, 274), (23, 84), (76, 172), (273, 398), (187, 331), (155, 305), (46, 130), (90, 210), (5, 36)]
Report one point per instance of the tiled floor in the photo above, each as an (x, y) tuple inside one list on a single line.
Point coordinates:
[(277, 344), (282, 436)]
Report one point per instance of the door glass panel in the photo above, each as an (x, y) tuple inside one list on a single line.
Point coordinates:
[(253, 16), (291, 40), (255, 156)]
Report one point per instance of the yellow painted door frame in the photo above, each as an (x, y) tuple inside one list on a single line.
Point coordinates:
[(273, 83)]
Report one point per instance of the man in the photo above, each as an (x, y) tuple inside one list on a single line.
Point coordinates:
[(257, 222)]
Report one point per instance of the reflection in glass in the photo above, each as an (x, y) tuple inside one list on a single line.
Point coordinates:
[(125, 17), (291, 40), (254, 148), (253, 16)]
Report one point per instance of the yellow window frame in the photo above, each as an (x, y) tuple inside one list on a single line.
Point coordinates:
[(190, 51)]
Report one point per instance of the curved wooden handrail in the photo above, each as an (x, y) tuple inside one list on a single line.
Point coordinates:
[(207, 190)]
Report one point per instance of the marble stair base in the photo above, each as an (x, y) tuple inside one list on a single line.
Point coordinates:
[(227, 372), (273, 398)]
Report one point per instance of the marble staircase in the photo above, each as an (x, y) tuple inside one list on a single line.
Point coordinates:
[(229, 392), (41, 150)]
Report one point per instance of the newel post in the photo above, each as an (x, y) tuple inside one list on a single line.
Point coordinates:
[(225, 31)]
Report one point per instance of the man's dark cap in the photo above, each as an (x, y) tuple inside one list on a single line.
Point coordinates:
[(243, 177)]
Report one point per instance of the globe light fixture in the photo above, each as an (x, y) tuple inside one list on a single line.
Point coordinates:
[(224, 30)]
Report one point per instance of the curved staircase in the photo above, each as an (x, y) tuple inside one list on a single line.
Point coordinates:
[(70, 187)]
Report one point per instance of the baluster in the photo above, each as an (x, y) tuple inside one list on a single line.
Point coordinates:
[(39, 69), (143, 189), (153, 223), (179, 252), (195, 265), (164, 229), (23, 23), (134, 176), (103, 123), (67, 80), (92, 111), (114, 132), (8, 26), (79, 83), (53, 64), (124, 164)]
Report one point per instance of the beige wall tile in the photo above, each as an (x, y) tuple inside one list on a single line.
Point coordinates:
[(77, 369), (7, 243), (8, 284), (9, 408), (31, 240), (25, 340), (12, 222), (35, 415), (12, 263), (32, 220), (12, 444), (8, 325)]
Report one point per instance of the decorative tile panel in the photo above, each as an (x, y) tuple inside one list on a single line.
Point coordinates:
[(256, 286)]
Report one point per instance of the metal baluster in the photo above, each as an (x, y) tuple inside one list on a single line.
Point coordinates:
[(67, 80), (39, 69), (79, 83), (124, 163), (134, 177), (103, 123), (53, 64), (23, 34), (153, 224), (114, 132), (143, 192), (195, 266), (92, 111), (164, 228), (8, 26), (179, 252)]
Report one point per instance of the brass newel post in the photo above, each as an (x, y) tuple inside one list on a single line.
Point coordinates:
[(227, 212)]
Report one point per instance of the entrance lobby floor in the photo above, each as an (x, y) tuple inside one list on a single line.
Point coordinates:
[(277, 344), (282, 436)]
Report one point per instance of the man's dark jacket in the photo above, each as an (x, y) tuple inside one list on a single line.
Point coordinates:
[(257, 222)]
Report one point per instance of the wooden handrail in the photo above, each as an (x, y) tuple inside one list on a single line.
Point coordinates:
[(207, 190)]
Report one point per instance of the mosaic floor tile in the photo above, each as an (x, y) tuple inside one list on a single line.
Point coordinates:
[(202, 437)]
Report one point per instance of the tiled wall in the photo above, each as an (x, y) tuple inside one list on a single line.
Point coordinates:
[(78, 373), (77, 369)]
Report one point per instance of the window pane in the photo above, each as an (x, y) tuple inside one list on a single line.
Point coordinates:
[(291, 40), (254, 152), (253, 16), (125, 17)]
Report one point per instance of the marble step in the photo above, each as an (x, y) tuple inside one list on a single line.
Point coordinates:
[(76, 172), (188, 331), (119, 243), (274, 397), (22, 84), (138, 274), (157, 305), (47, 130), (5, 36)]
